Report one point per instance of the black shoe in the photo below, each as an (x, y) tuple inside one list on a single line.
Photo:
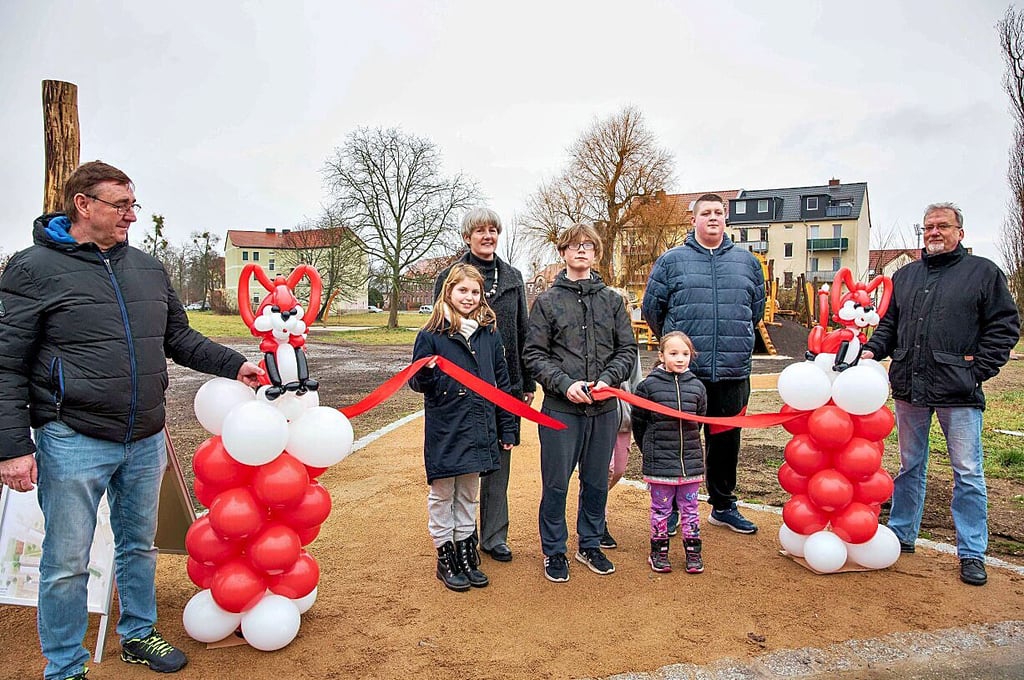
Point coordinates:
[(658, 558), (607, 542), (556, 568), (907, 548), (78, 676), (469, 560), (972, 571), (673, 523), (500, 552), (694, 561), (155, 652), (595, 560), (448, 569)]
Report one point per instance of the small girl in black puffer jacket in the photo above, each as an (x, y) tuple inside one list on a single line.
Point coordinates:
[(673, 456)]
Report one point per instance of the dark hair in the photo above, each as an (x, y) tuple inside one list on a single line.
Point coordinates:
[(708, 198), (85, 178), (578, 233)]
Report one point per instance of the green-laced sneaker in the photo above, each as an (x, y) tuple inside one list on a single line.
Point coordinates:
[(155, 652), (79, 676)]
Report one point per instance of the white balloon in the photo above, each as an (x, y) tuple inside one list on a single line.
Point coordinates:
[(321, 437), (825, 361), (791, 541), (876, 366), (287, 366), (804, 386), (216, 398), (860, 390), (294, 406), (255, 433), (824, 551), (878, 553), (304, 603), (205, 621), (272, 624)]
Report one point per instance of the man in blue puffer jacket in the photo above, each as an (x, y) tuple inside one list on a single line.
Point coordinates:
[(715, 293)]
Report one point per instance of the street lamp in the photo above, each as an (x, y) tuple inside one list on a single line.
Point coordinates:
[(918, 232)]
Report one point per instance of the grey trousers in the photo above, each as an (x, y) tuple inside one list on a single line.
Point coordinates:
[(587, 442), (451, 508), (494, 504)]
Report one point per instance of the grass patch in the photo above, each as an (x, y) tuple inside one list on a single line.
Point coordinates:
[(372, 336), (231, 326), (219, 325), (1004, 453)]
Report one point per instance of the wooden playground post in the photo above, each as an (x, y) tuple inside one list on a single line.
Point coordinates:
[(61, 139)]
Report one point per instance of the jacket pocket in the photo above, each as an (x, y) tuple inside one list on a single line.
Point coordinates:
[(57, 383), (953, 378), (899, 372)]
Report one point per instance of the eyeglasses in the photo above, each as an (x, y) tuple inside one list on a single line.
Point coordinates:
[(586, 245), (121, 209), (940, 227)]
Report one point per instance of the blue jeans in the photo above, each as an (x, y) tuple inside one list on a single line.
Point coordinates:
[(74, 472), (961, 426)]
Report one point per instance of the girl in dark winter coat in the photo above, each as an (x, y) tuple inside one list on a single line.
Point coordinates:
[(673, 456), (462, 429)]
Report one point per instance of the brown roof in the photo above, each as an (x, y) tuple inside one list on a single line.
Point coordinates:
[(878, 259), (432, 266), (308, 238), (675, 208)]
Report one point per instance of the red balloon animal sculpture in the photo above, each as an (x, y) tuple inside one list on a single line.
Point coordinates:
[(833, 465), (258, 476)]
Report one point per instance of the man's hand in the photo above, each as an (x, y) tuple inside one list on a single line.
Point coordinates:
[(528, 397), (867, 354), (579, 393), (19, 473), (249, 374)]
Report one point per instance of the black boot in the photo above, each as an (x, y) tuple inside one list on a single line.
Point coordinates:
[(659, 556), (694, 562), (469, 562), (449, 570)]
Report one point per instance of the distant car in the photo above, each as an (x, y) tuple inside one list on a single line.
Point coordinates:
[(194, 307), (426, 309), (374, 309)]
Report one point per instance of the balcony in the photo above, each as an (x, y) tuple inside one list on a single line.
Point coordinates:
[(754, 246), (828, 244), (839, 211), (821, 274)]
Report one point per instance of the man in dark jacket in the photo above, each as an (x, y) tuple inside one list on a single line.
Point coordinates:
[(713, 292), (505, 292), (579, 338), (86, 324), (950, 327)]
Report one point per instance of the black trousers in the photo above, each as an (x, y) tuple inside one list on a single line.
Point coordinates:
[(725, 398)]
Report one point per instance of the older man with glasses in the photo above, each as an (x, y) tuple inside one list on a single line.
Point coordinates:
[(86, 325), (950, 327)]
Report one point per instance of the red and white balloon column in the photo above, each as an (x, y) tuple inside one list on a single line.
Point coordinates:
[(257, 474), (833, 465)]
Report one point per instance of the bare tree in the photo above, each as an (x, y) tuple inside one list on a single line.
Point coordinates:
[(5, 257), (387, 186), (334, 252), (1011, 246), (154, 242), (613, 163), (513, 241), (206, 267)]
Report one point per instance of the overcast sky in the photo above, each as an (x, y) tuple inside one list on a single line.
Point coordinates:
[(223, 113)]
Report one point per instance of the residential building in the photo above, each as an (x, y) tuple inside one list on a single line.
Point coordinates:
[(812, 230), (885, 262), (278, 253), (420, 277)]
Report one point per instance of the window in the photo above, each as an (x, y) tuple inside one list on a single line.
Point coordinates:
[(270, 264), (255, 256), (741, 207), (812, 231), (837, 262), (743, 235), (764, 234), (789, 226), (789, 250), (814, 264), (788, 280), (762, 205), (837, 231), (245, 256), (812, 203)]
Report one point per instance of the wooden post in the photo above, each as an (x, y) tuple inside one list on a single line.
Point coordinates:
[(61, 138)]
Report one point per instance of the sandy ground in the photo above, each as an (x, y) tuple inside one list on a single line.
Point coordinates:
[(383, 614)]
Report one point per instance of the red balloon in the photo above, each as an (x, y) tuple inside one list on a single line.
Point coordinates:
[(205, 545), (215, 467), (802, 516), (790, 481), (830, 426), (298, 581), (876, 489), (205, 493), (235, 513), (314, 472), (858, 460), (797, 425), (308, 535), (804, 456), (830, 490), (874, 426), (274, 549), (856, 523), (311, 511), (281, 482), (201, 574), (236, 587)]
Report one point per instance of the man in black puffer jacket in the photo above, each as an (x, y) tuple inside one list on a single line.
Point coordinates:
[(579, 337), (86, 325), (950, 327)]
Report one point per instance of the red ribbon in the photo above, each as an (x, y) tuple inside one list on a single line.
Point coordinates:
[(758, 420), (465, 378)]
